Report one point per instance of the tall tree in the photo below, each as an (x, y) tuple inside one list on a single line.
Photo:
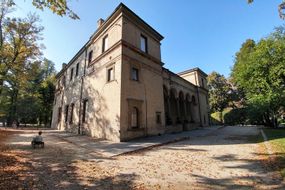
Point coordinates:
[(20, 51), (260, 71), (19, 43), (46, 91), (219, 92)]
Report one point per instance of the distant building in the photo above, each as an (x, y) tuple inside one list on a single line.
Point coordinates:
[(116, 87)]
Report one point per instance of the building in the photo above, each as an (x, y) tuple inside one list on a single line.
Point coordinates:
[(116, 87)]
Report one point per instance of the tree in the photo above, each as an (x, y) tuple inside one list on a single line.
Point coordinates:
[(19, 52), (219, 92), (59, 7), (281, 8), (19, 41), (26, 80), (46, 91), (260, 71), (241, 57)]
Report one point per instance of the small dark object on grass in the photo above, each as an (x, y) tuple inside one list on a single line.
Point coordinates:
[(38, 141)]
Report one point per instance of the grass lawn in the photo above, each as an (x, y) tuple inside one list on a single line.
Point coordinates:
[(276, 138), (216, 116)]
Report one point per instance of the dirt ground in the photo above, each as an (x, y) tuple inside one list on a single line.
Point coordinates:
[(228, 158)]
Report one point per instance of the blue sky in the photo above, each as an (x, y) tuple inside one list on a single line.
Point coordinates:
[(198, 33)]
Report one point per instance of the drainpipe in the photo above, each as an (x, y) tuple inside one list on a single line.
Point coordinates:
[(81, 92)]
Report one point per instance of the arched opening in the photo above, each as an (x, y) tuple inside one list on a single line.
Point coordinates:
[(173, 105), (181, 107), (193, 100), (193, 109), (135, 118), (166, 106)]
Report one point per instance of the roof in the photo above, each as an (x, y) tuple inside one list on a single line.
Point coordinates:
[(120, 8), (191, 70)]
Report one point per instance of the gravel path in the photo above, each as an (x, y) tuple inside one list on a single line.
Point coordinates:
[(228, 158)]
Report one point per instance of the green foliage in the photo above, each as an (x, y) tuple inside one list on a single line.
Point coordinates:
[(217, 118), (219, 92), (276, 138), (259, 71), (26, 81), (236, 116), (59, 7), (281, 8)]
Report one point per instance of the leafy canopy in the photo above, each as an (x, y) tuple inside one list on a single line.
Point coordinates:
[(260, 71)]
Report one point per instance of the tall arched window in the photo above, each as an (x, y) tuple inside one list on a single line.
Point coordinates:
[(135, 118), (194, 100)]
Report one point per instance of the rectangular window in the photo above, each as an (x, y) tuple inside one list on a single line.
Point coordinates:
[(143, 43), (105, 44), (85, 104), (71, 113), (110, 74), (66, 113), (77, 69), (71, 74), (135, 74), (59, 115), (158, 117), (63, 81), (135, 117), (90, 56)]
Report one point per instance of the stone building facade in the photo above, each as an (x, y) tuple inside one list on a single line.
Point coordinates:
[(116, 87)]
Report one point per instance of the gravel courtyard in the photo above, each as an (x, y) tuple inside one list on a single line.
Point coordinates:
[(227, 158)]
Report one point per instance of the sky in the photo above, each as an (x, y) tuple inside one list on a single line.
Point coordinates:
[(197, 33)]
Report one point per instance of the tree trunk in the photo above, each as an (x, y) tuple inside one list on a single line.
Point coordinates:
[(13, 109)]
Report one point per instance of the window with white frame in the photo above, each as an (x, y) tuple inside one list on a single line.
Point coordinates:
[(143, 41), (135, 74), (77, 69), (135, 117), (105, 44), (90, 56), (110, 74)]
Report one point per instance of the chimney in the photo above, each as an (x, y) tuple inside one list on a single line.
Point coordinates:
[(100, 22), (63, 65)]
